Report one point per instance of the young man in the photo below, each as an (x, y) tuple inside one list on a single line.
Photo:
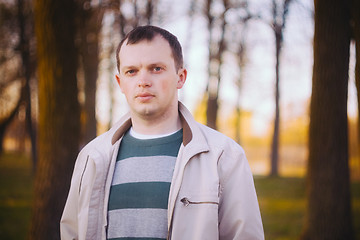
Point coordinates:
[(158, 174)]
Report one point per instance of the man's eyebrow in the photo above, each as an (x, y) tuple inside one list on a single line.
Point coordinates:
[(163, 64), (157, 64), (127, 67)]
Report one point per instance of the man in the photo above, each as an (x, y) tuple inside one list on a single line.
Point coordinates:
[(157, 173)]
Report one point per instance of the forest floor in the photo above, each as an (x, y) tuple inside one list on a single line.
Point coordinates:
[(282, 201)]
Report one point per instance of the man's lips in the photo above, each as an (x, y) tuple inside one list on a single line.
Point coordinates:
[(144, 96)]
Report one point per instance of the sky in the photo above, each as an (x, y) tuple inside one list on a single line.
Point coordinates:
[(257, 93), (257, 89)]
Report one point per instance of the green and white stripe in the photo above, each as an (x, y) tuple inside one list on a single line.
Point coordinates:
[(140, 189)]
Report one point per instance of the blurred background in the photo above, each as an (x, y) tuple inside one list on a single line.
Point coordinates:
[(250, 75)]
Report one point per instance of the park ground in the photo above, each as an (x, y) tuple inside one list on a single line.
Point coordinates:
[(282, 201)]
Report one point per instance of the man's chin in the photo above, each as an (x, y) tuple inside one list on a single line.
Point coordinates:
[(146, 111)]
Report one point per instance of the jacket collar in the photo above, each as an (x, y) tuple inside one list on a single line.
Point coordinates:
[(191, 131), (121, 127)]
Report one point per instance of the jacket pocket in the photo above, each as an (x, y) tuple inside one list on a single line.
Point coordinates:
[(196, 217), (186, 201)]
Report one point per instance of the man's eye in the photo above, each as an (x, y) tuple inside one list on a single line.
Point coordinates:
[(130, 72), (157, 69)]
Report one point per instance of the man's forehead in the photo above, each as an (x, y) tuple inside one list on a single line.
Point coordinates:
[(156, 39), (157, 46)]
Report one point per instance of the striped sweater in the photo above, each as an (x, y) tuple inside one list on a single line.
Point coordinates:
[(140, 188)]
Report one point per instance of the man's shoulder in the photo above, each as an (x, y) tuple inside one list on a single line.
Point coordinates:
[(106, 139), (103, 142), (99, 144), (212, 137), (216, 138)]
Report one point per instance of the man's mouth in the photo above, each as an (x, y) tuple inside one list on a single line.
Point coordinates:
[(144, 97)]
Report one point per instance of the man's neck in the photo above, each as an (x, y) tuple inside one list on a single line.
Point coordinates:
[(148, 136), (156, 126)]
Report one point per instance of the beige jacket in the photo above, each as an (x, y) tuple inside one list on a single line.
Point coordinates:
[(212, 194)]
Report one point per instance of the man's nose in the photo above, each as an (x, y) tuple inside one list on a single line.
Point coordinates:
[(144, 79)]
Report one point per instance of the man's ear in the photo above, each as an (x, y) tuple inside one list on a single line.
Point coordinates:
[(182, 74), (118, 80)]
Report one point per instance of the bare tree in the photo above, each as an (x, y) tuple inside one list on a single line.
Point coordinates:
[(16, 66), (279, 13), (143, 13), (217, 45), (222, 38), (328, 214), (10, 103), (59, 124), (27, 70), (89, 25), (356, 35), (238, 46), (242, 61)]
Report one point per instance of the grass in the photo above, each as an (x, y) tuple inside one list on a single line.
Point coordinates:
[(282, 201), (283, 204), (15, 196)]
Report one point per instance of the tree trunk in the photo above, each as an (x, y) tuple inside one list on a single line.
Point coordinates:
[(212, 104), (211, 111), (279, 22), (90, 30), (58, 114), (241, 53), (275, 141), (329, 209), (215, 61), (24, 46), (356, 33)]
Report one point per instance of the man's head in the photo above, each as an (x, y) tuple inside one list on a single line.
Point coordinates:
[(149, 74), (148, 33)]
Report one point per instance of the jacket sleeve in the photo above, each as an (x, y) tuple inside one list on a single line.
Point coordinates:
[(239, 213), (69, 229)]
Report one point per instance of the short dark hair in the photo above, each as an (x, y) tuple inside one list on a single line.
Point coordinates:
[(148, 33)]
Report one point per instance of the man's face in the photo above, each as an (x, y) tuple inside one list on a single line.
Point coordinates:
[(149, 79)]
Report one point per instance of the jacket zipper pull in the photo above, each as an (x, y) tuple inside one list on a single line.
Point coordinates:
[(185, 201)]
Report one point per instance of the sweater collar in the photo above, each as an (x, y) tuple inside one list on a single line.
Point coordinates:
[(186, 120)]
